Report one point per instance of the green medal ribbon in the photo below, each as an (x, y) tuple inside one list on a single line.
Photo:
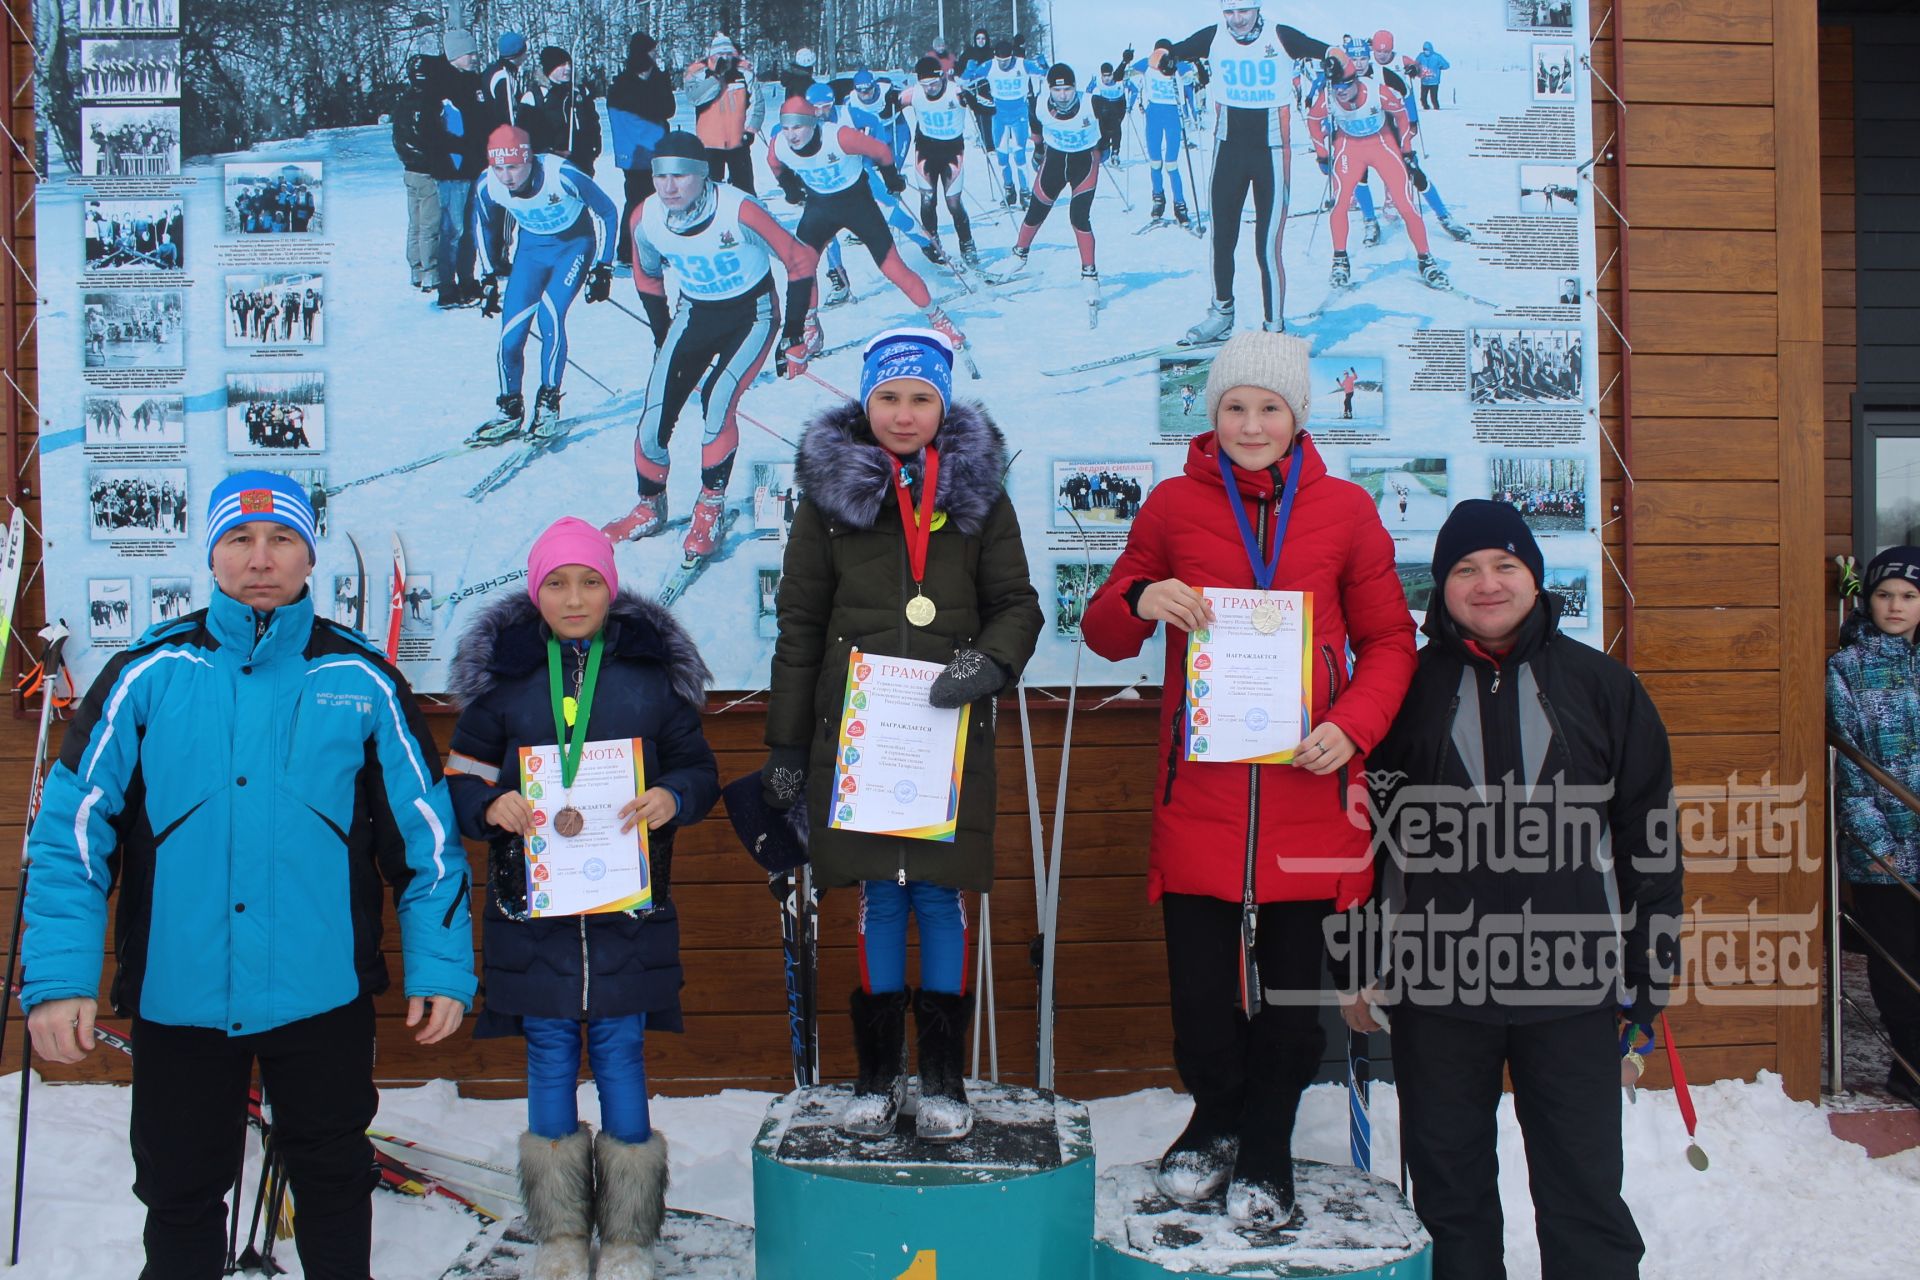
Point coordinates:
[(572, 745)]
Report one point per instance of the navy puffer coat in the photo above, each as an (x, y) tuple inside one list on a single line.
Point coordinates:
[(652, 686)]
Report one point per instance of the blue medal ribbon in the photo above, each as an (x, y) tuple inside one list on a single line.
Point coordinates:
[(1264, 570)]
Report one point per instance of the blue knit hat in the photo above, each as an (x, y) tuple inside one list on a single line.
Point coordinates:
[(909, 353), (1478, 524), (259, 495), (512, 44)]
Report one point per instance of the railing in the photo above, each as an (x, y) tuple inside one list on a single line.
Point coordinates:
[(1838, 745)]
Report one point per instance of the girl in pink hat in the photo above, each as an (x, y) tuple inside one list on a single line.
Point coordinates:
[(577, 659)]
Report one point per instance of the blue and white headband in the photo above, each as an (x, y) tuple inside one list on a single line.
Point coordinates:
[(260, 495)]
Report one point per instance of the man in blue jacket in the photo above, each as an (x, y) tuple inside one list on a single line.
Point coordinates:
[(246, 776)]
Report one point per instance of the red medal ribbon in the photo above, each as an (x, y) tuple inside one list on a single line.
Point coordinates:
[(920, 531)]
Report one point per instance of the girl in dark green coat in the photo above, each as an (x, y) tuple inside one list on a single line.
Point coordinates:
[(862, 571)]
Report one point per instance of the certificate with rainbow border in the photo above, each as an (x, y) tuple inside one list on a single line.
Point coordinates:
[(896, 771), (1249, 688), (599, 868)]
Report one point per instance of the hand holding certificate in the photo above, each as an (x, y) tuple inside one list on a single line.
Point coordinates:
[(595, 864), (897, 768), (1247, 677)]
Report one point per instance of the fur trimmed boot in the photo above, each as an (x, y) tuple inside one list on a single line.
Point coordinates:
[(942, 1018), (631, 1204), (556, 1181), (880, 1046)]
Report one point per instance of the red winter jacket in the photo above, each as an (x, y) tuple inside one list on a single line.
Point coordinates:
[(1337, 549)]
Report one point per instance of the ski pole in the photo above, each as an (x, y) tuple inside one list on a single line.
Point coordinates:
[(752, 421), (20, 1147), (811, 376), (233, 1213), (624, 309), (55, 637), (575, 366)]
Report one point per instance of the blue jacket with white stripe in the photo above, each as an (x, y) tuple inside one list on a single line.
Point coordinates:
[(246, 781)]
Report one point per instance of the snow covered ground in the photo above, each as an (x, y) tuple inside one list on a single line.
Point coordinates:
[(1784, 1196)]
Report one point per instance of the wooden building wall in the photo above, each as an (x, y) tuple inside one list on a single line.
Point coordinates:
[(1725, 261)]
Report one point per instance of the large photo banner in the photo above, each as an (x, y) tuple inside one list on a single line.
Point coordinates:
[(275, 237)]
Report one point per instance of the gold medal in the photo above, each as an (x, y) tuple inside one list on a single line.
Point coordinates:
[(568, 822), (920, 611), (1266, 617)]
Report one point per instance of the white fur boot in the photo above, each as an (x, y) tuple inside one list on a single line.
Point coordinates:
[(631, 1205)]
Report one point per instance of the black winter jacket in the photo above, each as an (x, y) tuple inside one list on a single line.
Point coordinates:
[(652, 686), (566, 124), (1524, 811), (417, 103)]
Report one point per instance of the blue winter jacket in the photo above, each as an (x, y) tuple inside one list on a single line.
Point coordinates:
[(1873, 698), (246, 781)]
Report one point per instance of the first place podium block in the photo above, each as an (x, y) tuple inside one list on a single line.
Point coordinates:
[(1346, 1223), (1011, 1201)]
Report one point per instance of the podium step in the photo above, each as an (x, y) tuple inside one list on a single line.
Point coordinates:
[(693, 1246), (1012, 1201), (1346, 1223)]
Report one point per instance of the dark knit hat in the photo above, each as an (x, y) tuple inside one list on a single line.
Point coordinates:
[(1478, 524), (1894, 562), (640, 44), (553, 57)]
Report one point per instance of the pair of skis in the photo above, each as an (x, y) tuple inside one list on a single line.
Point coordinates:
[(396, 595)]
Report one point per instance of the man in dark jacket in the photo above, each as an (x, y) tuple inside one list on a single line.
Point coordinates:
[(565, 123), (1529, 896), (454, 137), (640, 108), (414, 116)]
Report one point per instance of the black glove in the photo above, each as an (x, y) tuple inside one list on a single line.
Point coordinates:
[(658, 318), (490, 297), (1126, 61), (783, 778), (1643, 1005), (892, 179), (1414, 171), (971, 675), (599, 283)]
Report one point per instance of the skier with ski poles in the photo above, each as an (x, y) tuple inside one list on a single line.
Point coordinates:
[(870, 109), (937, 111), (1378, 53), (1112, 97), (1011, 79), (565, 222), (1066, 137), (823, 165), (722, 244), (576, 660), (1356, 126), (253, 934), (1581, 757), (903, 474), (1165, 93), (1251, 152), (1248, 859)]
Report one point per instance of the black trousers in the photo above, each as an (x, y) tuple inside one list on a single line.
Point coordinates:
[(189, 1126), (1891, 915), (1566, 1090), (1217, 1050), (732, 164), (638, 184)]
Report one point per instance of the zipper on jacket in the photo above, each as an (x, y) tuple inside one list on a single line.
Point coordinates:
[(586, 974), (1496, 681), (1249, 897), (1333, 691), (1174, 739)]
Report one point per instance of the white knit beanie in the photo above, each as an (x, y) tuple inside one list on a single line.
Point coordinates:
[(1275, 362)]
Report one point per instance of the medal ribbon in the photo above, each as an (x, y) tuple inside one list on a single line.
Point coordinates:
[(1264, 570), (573, 745), (920, 531)]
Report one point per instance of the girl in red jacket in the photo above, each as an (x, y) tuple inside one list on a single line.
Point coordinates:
[(1276, 835)]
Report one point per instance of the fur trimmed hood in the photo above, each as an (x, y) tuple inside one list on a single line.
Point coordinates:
[(509, 639), (848, 476)]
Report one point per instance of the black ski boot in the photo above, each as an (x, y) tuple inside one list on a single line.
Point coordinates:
[(505, 425), (970, 254), (546, 415), (880, 1047), (1342, 273), (1012, 196), (1159, 209), (1180, 213), (1432, 274), (839, 291)]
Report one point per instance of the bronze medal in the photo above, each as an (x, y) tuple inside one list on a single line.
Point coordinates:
[(568, 822), (1266, 617), (920, 611)]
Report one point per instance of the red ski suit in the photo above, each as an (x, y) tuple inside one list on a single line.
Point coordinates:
[(1337, 550)]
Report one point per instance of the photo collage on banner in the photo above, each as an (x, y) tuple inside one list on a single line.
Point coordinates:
[(241, 266)]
